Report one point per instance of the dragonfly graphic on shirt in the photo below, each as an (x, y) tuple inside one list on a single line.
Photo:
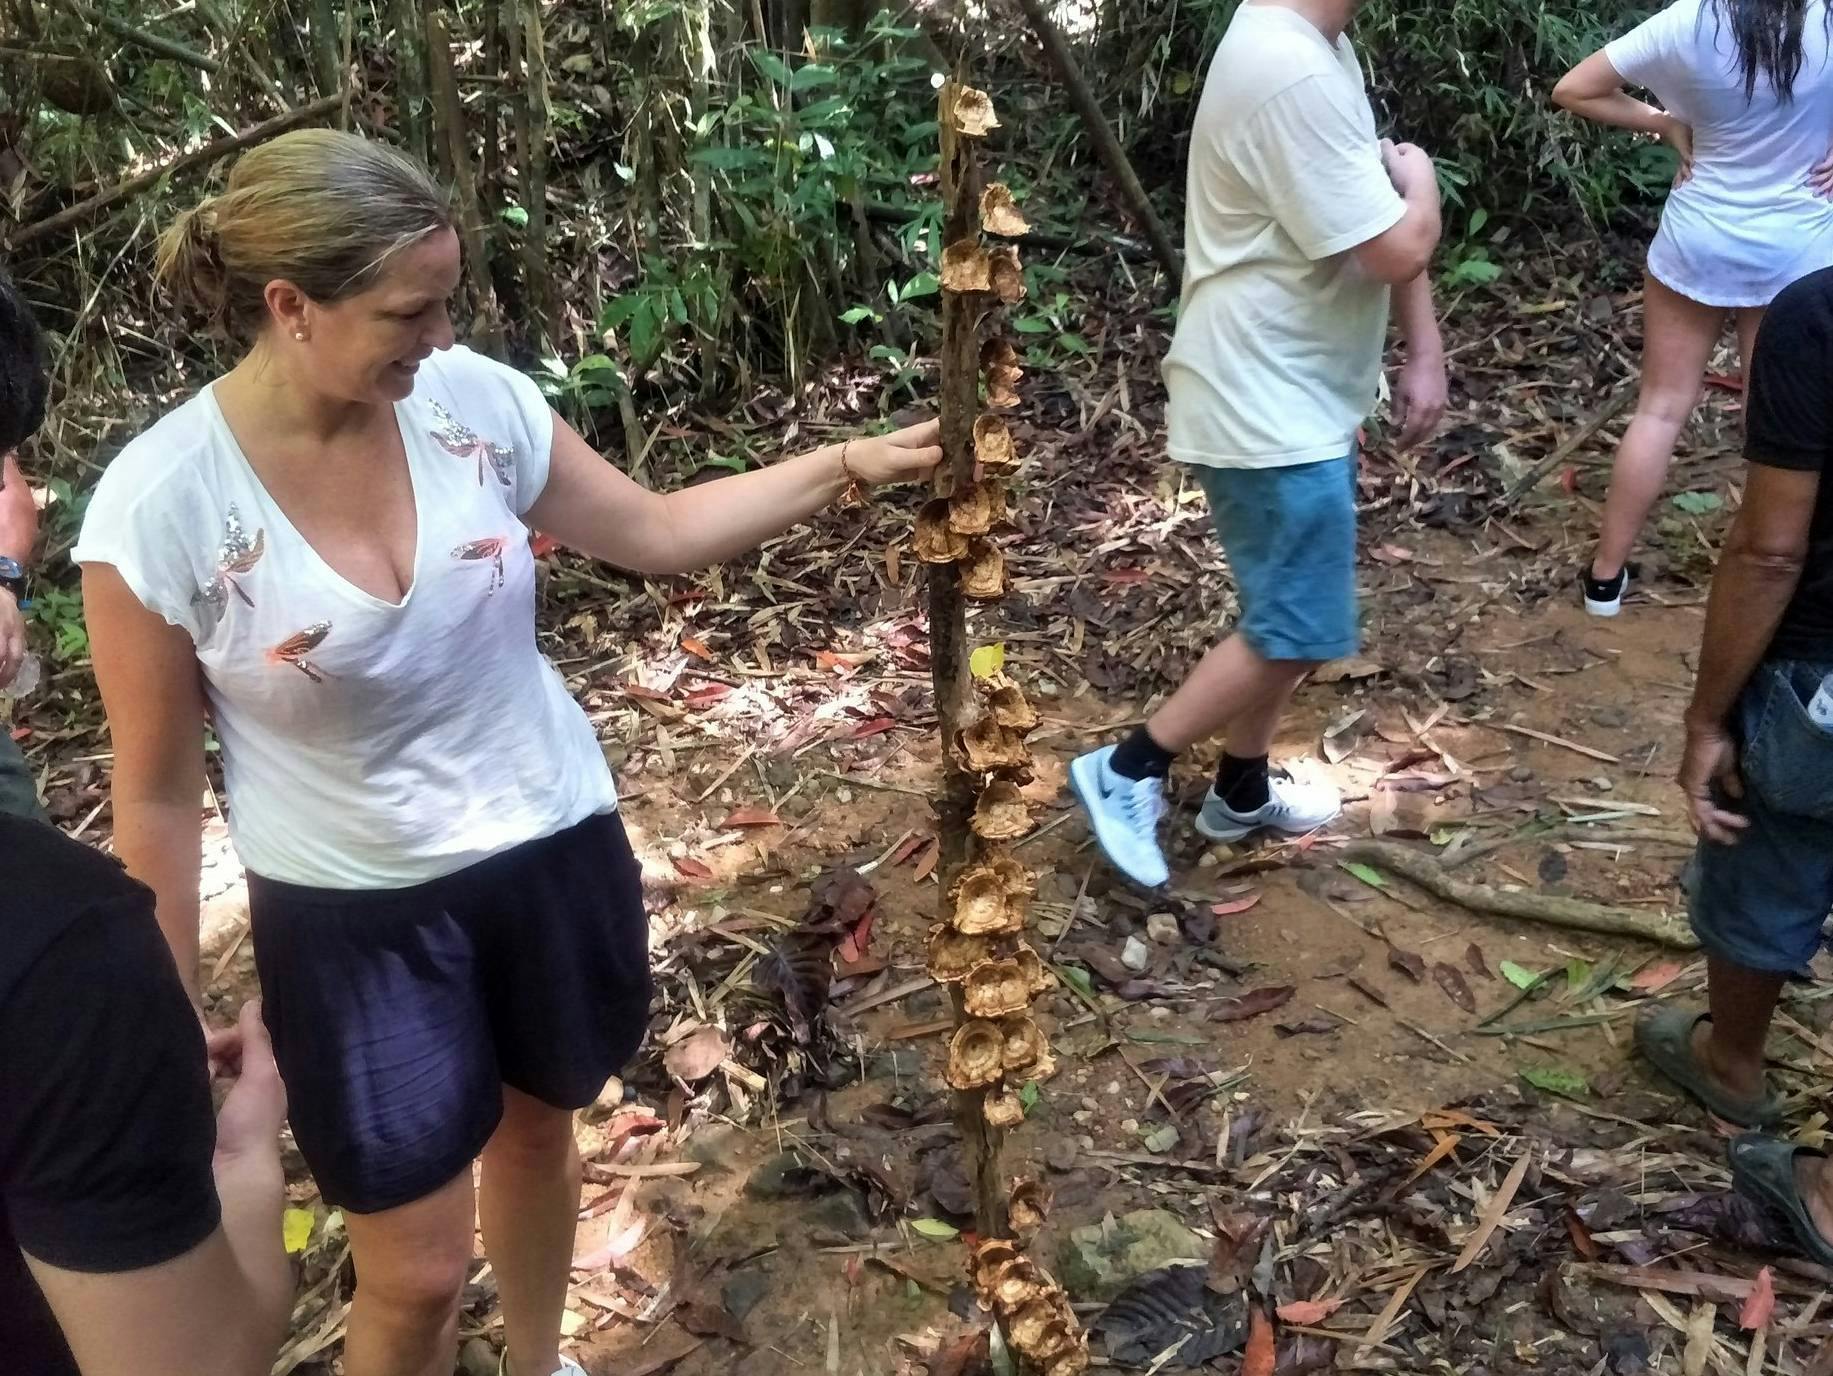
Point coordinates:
[(236, 555), (460, 440), (294, 649), (492, 549)]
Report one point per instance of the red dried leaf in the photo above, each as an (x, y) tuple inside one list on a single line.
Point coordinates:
[(752, 817), (926, 862), (1581, 1236), (696, 870), (907, 848), (1308, 1311), (1235, 905), (1652, 979), (1760, 1306), (1253, 1003), (708, 694), (965, 1354), (541, 545), (877, 726), (1260, 1357), (853, 948), (637, 690), (697, 648)]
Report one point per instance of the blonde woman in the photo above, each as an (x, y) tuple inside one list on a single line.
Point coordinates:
[(1747, 103), (325, 552)]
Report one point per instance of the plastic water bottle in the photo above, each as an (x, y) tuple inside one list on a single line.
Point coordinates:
[(1821, 708), (26, 677)]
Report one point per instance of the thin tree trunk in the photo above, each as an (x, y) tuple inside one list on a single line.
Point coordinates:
[(492, 101), (531, 115), (1113, 156), (410, 78), (325, 66), (948, 651), (449, 120)]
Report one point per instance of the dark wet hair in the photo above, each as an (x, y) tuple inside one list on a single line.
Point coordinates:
[(1768, 38), (23, 374)]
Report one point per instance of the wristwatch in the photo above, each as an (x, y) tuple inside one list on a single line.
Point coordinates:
[(12, 578)]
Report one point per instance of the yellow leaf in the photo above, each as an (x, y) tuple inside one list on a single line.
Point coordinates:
[(296, 1230), (987, 660)]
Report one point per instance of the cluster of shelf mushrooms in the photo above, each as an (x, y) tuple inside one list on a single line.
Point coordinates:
[(997, 1047)]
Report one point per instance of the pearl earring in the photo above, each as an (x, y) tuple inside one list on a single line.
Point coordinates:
[(299, 335)]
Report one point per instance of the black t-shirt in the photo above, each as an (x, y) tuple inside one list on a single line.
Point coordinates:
[(1789, 424), (106, 1132)]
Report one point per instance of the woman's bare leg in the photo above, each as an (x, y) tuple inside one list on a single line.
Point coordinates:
[(1678, 335)]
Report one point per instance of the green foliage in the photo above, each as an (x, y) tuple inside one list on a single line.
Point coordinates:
[(60, 611)]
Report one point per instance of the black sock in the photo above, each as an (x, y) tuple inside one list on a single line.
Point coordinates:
[(1242, 784), (1141, 757)]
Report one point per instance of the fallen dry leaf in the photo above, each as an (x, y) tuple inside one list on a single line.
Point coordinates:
[(1410, 965), (696, 871), (1235, 905), (1309, 1312), (1652, 979), (698, 1054), (1478, 962), (751, 817), (1760, 1307), (1260, 1355), (1455, 987), (1493, 1215), (1253, 1003)]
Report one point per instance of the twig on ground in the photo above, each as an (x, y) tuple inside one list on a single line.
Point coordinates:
[(1554, 911)]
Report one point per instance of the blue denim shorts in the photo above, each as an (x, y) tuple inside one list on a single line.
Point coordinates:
[(1290, 537), (1762, 903)]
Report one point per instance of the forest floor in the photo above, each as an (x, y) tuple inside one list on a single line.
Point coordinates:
[(1302, 1084)]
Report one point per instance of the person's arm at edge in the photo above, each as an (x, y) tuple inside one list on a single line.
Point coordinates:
[(220, 1309), (1403, 252), (1758, 572), (18, 512), (1420, 390), (147, 671), (1594, 90), (18, 532)]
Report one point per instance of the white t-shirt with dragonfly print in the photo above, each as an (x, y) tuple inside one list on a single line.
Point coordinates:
[(366, 744)]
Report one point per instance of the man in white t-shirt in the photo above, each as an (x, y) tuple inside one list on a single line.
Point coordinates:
[(1299, 221)]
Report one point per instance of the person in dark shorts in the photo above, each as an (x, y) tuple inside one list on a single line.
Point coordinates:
[(137, 1238), (1758, 768), (22, 410), (327, 551)]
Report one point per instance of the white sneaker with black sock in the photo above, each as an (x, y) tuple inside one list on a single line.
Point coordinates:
[(1293, 806)]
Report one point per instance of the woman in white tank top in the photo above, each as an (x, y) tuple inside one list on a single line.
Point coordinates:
[(1746, 92)]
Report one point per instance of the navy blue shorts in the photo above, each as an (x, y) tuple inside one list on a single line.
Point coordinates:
[(1762, 903), (398, 1015), (1290, 537)]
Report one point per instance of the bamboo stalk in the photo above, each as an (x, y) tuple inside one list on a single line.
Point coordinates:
[(410, 79), (531, 154), (449, 120)]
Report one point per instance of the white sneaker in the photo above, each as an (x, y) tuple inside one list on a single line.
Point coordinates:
[(1293, 806), (1123, 814)]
